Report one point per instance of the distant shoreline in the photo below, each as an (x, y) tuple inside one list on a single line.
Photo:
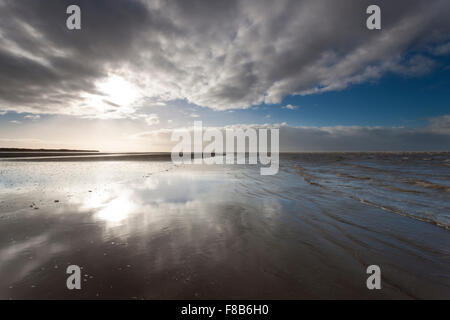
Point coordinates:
[(167, 156), (43, 150)]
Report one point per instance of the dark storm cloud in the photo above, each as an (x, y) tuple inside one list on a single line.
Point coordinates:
[(218, 54), (45, 66)]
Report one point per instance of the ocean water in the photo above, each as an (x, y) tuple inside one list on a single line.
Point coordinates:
[(143, 228)]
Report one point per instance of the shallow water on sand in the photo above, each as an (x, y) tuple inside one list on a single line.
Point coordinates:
[(153, 230)]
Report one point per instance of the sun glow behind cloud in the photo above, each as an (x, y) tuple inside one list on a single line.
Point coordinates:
[(115, 96), (119, 91)]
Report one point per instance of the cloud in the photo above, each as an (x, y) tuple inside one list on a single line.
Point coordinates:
[(433, 137), (416, 66), (152, 119), (32, 116), (441, 50), (216, 54), (15, 122), (357, 138), (290, 107), (440, 124)]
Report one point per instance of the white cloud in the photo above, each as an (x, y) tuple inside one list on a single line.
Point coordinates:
[(290, 107), (440, 124), (32, 116), (152, 119), (433, 137), (15, 122)]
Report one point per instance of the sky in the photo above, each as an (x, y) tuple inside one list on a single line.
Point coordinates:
[(138, 69)]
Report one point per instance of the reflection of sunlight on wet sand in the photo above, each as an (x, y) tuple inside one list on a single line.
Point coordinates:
[(116, 210), (117, 203), (112, 205), (158, 231), (155, 206)]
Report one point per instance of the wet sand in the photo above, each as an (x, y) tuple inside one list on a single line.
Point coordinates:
[(152, 230)]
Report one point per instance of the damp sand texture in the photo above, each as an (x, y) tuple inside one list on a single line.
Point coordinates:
[(143, 228)]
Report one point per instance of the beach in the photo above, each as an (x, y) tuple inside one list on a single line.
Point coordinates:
[(141, 227)]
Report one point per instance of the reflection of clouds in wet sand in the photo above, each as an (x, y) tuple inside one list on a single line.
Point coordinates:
[(22, 257), (196, 233), (179, 224), (116, 210), (158, 194)]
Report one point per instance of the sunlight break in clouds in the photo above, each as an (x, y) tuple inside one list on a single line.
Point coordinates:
[(217, 54), (143, 62)]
